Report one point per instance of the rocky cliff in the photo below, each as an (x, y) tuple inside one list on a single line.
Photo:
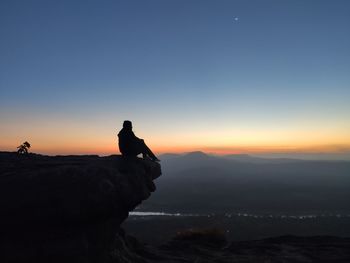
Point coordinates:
[(68, 208)]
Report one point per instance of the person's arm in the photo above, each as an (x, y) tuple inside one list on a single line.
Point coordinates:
[(134, 137)]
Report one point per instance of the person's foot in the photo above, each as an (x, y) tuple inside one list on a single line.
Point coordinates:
[(147, 158)]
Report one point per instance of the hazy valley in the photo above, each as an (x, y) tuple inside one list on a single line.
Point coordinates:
[(247, 197)]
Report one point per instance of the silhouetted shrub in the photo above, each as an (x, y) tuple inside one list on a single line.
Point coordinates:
[(23, 148)]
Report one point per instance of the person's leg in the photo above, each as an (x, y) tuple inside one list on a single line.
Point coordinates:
[(132, 150), (147, 151)]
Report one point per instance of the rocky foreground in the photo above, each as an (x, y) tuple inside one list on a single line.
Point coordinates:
[(69, 209)]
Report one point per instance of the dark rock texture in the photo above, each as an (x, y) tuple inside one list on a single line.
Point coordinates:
[(68, 208), (284, 249), (293, 249)]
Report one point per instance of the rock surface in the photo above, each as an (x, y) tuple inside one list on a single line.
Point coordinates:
[(68, 208), (286, 249)]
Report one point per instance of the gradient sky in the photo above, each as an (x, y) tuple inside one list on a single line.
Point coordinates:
[(219, 76)]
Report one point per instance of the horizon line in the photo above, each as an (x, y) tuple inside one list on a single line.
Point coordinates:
[(344, 155)]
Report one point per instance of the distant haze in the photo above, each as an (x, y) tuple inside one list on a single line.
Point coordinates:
[(277, 155), (198, 182), (308, 156)]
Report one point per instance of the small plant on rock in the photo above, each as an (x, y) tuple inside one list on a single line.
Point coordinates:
[(23, 148)]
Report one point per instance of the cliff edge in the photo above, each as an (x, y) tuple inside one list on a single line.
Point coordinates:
[(68, 208)]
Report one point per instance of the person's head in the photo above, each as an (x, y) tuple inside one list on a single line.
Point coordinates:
[(127, 125)]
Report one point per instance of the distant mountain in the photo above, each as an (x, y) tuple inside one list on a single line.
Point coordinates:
[(166, 156), (201, 156), (189, 155), (197, 181), (342, 156), (196, 154), (254, 159)]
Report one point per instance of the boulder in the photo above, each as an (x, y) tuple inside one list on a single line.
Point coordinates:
[(67, 208)]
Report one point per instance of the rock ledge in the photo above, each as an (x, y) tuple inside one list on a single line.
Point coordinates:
[(67, 208)]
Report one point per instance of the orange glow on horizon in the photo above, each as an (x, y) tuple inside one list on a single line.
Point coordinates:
[(220, 150), (101, 139), (259, 149)]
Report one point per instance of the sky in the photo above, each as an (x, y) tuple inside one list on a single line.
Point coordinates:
[(237, 76)]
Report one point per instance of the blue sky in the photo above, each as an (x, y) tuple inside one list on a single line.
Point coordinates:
[(176, 68)]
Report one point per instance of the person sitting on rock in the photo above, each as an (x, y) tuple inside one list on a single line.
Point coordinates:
[(131, 146)]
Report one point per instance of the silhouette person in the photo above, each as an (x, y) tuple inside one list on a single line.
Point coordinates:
[(131, 146)]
